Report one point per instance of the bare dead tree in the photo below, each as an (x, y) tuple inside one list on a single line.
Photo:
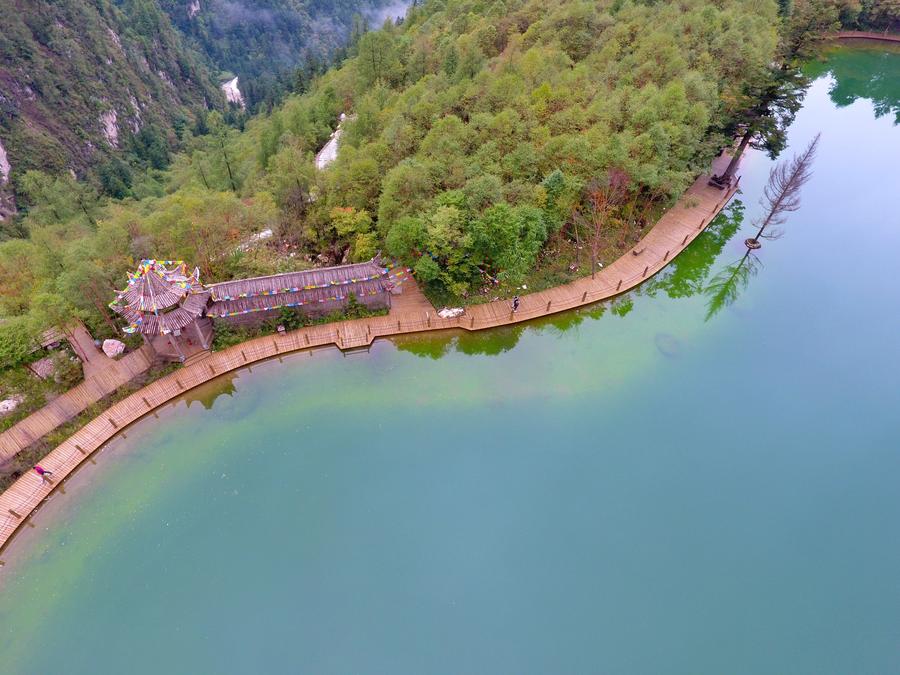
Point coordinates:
[(601, 200), (781, 195)]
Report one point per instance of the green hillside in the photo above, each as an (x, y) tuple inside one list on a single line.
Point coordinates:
[(265, 41), (77, 79), (489, 144)]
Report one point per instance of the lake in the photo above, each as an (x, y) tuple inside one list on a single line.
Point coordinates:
[(668, 483)]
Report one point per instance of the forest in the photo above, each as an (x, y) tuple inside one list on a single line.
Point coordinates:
[(274, 46), (108, 89), (77, 79), (489, 146)]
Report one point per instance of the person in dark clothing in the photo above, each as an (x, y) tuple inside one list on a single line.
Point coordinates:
[(515, 303)]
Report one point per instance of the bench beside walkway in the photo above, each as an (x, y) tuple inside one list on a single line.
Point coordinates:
[(677, 228)]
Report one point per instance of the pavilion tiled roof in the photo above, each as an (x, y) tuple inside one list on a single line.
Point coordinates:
[(161, 298), (292, 282), (295, 289)]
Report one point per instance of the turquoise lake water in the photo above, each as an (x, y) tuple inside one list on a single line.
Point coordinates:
[(649, 486)]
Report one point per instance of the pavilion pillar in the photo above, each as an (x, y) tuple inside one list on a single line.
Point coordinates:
[(174, 343), (149, 343), (200, 336)]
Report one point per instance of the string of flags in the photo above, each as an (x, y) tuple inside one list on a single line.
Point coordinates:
[(167, 269), (399, 275)]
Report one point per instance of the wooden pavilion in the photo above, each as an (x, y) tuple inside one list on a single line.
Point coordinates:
[(173, 311), (166, 305)]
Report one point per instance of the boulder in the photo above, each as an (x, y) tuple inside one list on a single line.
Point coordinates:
[(113, 348), (451, 312), (9, 405)]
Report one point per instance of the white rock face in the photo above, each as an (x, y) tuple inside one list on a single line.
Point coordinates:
[(232, 93), (110, 127), (115, 38), (329, 152), (113, 348), (5, 168)]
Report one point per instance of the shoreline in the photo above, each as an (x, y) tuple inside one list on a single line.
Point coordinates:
[(867, 36), (671, 234)]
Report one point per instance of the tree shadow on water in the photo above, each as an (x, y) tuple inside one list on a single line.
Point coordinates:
[(728, 284), (207, 393), (484, 342), (862, 73), (687, 274)]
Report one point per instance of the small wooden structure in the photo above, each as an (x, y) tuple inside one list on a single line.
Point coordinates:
[(316, 292), (166, 305)]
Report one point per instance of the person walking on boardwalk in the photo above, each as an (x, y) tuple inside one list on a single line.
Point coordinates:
[(43, 473), (515, 303)]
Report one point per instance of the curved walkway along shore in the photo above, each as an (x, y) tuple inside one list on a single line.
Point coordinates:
[(672, 234), (866, 35)]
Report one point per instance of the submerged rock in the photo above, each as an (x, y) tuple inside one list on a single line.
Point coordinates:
[(667, 344)]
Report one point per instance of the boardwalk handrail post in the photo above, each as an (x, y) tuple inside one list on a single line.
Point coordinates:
[(644, 273), (584, 296), (666, 256), (684, 241), (548, 305), (619, 285)]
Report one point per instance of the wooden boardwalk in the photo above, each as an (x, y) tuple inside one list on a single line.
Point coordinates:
[(675, 230), (64, 407), (866, 35)]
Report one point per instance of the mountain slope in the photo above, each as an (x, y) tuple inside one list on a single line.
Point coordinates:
[(77, 78), (264, 40)]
